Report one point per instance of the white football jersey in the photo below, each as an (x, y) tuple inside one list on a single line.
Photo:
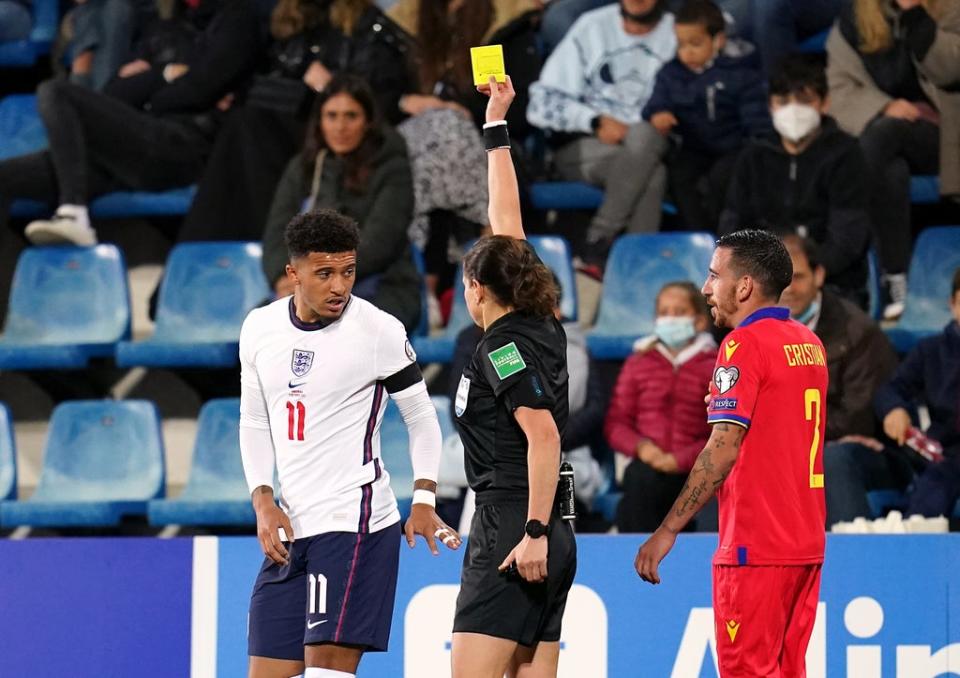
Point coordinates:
[(318, 389)]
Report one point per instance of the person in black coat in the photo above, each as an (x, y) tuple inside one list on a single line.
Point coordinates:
[(312, 42), (710, 101), (150, 129), (809, 180)]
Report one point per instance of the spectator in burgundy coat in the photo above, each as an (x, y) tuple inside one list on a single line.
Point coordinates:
[(657, 413)]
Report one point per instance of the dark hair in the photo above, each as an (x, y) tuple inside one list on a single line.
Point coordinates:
[(321, 230), (762, 256), (702, 13), (797, 73), (359, 162), (809, 248), (697, 300), (956, 284), (513, 272), (443, 42)]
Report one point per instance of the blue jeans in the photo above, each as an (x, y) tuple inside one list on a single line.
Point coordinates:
[(936, 490), (106, 28), (851, 470), (15, 21)]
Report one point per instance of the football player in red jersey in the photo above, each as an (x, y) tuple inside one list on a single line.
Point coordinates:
[(764, 461)]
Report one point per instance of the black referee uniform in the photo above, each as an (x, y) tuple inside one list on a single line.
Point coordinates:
[(521, 361)]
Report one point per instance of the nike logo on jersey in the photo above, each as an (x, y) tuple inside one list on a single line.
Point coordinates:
[(311, 625), (295, 385), (730, 348)]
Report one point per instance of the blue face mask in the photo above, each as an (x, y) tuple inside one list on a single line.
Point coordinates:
[(675, 331), (808, 315)]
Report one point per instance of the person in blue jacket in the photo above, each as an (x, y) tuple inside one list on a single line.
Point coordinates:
[(709, 100)]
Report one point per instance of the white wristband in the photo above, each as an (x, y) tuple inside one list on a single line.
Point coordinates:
[(425, 497)]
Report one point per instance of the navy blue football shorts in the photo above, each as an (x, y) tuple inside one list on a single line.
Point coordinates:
[(338, 588)]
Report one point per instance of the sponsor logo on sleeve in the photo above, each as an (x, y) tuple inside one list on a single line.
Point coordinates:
[(507, 360), (730, 348)]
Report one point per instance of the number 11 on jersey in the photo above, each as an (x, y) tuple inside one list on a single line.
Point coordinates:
[(812, 409), (296, 414)]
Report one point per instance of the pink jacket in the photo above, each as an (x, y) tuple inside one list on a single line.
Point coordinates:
[(659, 398)]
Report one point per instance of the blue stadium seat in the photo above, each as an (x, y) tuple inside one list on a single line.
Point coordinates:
[(8, 456), (553, 250), (606, 504), (67, 305), (21, 130), (207, 291), (103, 460), (24, 53), (936, 256), (216, 493), (395, 448), (925, 190), (572, 195), (639, 265), (121, 204), (874, 286), (815, 44)]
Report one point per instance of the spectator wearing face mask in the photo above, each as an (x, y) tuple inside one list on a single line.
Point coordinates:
[(709, 101), (810, 179), (656, 413)]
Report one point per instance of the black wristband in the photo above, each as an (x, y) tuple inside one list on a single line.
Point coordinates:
[(496, 136)]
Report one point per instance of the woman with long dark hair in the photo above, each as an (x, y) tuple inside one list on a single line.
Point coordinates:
[(511, 411), (359, 167)]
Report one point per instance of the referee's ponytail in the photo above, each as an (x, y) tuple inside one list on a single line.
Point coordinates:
[(513, 272)]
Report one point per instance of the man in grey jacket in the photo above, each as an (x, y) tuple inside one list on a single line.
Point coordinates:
[(590, 96)]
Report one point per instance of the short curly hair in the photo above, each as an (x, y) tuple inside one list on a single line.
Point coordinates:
[(321, 230)]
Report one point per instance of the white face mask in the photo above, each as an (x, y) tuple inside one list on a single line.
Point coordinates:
[(795, 121), (675, 331)]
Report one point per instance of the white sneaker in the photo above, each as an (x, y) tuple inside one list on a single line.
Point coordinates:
[(897, 288), (70, 224)]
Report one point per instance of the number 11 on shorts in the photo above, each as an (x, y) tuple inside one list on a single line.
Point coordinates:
[(317, 594), (811, 406)]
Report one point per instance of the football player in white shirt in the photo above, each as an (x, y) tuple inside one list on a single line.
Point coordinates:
[(316, 369)]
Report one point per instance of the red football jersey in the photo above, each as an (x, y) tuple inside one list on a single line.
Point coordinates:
[(771, 378)]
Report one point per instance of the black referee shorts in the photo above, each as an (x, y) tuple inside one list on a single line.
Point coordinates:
[(504, 605)]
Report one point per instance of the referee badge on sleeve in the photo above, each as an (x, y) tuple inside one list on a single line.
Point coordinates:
[(463, 392)]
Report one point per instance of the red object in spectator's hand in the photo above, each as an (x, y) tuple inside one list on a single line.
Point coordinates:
[(928, 448)]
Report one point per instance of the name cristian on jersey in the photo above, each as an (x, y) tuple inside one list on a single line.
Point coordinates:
[(802, 355)]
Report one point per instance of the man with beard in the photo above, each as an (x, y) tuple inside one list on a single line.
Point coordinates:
[(764, 461), (590, 96)]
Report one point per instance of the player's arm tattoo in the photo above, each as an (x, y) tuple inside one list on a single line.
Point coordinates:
[(712, 467)]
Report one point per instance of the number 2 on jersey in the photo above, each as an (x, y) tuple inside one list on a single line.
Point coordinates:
[(812, 409), (296, 414)]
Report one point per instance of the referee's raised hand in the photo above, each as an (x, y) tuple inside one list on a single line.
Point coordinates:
[(424, 521), (501, 96)]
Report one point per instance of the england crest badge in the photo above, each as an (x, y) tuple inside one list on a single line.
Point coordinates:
[(302, 362)]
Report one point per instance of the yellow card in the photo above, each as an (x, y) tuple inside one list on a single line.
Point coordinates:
[(487, 61)]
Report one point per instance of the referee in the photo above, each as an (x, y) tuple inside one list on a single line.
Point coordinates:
[(511, 409)]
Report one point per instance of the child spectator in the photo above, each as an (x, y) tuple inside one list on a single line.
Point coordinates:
[(710, 102), (810, 180), (656, 413)]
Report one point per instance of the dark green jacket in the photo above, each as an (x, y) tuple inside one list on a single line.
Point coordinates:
[(383, 210)]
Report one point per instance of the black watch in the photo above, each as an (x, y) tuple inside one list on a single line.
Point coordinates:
[(535, 529)]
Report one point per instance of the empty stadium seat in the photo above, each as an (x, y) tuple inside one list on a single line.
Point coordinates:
[(24, 53), (639, 265), (207, 291), (21, 130), (572, 195), (936, 255), (553, 250), (103, 460), (67, 305), (395, 448), (216, 493), (8, 456)]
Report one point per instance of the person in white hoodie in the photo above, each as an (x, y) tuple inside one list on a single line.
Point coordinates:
[(590, 96)]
